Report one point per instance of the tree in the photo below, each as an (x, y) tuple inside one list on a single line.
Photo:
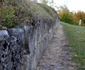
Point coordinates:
[(79, 15), (65, 15)]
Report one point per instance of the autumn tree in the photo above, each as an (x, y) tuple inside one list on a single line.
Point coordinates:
[(79, 15), (65, 15), (71, 17)]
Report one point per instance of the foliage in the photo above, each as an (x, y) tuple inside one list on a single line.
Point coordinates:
[(7, 16), (79, 15), (65, 15), (71, 17), (76, 37), (12, 13), (20, 12)]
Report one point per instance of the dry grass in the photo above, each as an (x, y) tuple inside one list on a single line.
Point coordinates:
[(23, 12)]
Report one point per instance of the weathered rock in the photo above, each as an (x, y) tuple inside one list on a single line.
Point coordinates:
[(21, 48)]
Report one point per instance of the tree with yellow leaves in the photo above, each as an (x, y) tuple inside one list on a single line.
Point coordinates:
[(65, 15), (79, 15)]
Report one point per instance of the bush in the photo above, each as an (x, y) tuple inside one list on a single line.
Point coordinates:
[(7, 16), (67, 17)]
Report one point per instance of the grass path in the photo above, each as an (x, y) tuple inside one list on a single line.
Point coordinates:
[(57, 55), (76, 37)]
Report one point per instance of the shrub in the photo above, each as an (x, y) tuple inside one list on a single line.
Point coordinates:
[(7, 16), (67, 17)]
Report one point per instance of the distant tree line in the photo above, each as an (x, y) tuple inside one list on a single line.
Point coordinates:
[(71, 17)]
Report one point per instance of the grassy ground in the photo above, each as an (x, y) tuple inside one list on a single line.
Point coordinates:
[(76, 37)]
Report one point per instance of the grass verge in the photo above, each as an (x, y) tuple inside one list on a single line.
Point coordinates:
[(76, 37)]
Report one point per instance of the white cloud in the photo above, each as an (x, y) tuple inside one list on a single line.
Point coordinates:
[(76, 5)]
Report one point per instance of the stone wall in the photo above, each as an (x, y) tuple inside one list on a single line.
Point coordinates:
[(21, 48)]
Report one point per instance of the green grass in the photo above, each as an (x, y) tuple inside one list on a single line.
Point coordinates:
[(76, 37)]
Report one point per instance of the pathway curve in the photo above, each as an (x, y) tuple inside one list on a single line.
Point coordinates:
[(57, 56)]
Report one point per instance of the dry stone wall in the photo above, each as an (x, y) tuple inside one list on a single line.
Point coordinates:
[(21, 48)]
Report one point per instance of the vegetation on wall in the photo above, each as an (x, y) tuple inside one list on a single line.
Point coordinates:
[(12, 12), (7, 16), (20, 12)]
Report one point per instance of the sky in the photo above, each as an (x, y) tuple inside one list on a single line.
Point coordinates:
[(73, 5)]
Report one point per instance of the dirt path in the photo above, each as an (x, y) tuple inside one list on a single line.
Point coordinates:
[(57, 56)]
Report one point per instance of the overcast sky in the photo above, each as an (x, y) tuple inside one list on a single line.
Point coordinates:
[(73, 5)]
